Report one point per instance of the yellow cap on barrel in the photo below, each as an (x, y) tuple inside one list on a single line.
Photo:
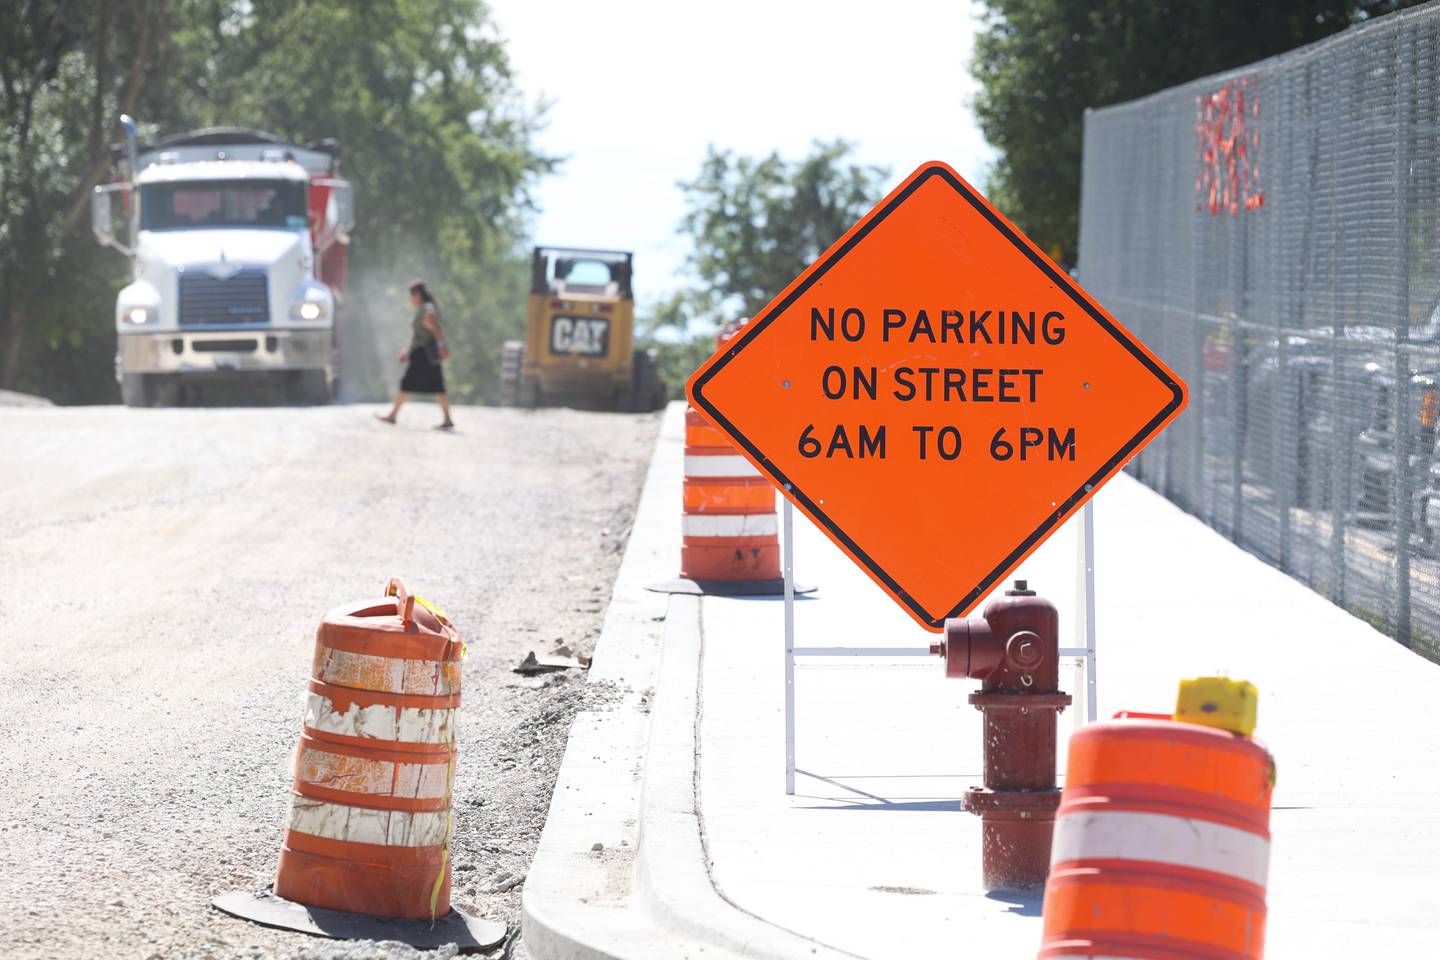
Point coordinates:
[(1218, 702)]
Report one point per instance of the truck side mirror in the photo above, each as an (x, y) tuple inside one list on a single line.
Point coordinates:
[(343, 197), (101, 217)]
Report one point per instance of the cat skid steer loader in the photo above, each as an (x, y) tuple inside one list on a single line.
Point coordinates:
[(579, 347)]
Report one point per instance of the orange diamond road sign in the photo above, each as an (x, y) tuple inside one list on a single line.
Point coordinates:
[(936, 394)]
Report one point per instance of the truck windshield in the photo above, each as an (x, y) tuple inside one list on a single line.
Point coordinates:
[(223, 203)]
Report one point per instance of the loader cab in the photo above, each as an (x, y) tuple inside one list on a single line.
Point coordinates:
[(555, 270), (579, 346)]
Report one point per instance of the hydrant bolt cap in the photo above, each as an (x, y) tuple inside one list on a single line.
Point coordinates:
[(1024, 651), (1021, 589)]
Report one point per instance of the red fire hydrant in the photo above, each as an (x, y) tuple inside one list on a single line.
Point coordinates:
[(1014, 650)]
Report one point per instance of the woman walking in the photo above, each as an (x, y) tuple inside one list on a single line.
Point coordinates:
[(423, 373)]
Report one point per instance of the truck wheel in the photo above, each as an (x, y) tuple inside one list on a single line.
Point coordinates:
[(336, 370), (512, 365), (171, 391), (135, 390), (529, 393), (647, 392), (312, 388)]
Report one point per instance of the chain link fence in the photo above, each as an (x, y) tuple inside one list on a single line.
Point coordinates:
[(1274, 234)]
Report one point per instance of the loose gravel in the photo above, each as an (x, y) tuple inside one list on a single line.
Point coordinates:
[(161, 576)]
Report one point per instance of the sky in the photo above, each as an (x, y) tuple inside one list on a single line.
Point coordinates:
[(639, 88)]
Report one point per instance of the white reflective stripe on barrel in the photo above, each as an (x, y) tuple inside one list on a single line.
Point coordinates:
[(340, 771), (391, 828), (380, 721), (1158, 838), (729, 465), (729, 525), (365, 671)]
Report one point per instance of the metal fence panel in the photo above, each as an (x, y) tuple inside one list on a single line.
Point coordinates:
[(1274, 233)]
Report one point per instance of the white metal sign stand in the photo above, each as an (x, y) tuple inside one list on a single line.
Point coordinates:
[(1084, 616), (1084, 628), (789, 560), (792, 651)]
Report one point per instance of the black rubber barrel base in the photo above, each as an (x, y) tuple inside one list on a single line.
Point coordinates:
[(470, 934), (728, 588)]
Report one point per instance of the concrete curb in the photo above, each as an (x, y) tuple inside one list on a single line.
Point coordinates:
[(628, 779), (674, 870)]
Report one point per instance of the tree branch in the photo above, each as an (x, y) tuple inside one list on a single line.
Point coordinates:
[(79, 196)]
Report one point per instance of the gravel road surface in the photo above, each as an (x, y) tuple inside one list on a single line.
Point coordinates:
[(162, 573)]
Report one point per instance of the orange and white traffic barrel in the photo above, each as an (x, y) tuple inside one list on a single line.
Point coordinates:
[(730, 532), (1162, 843), (729, 526), (369, 827), (370, 814)]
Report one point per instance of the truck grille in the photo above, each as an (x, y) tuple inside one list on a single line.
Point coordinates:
[(243, 297)]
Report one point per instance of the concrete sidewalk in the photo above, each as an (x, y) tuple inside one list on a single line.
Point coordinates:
[(873, 858)]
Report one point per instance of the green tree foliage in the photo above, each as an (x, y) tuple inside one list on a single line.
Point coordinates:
[(1041, 63), (754, 225), (66, 72), (433, 134), (666, 327)]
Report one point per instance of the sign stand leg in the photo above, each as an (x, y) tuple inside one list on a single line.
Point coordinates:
[(1085, 603), (789, 562), (1078, 685)]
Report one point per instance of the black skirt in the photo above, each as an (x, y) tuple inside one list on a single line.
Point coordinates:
[(422, 375)]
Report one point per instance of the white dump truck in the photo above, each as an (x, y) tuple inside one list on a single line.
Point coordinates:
[(237, 243)]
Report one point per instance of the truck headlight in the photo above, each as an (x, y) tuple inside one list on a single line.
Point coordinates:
[(310, 310), (138, 315)]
